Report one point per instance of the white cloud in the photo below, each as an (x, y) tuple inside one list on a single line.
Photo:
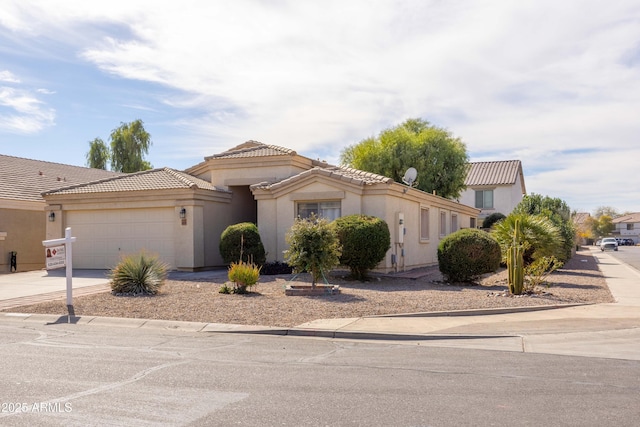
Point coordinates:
[(8, 77), (528, 79), (22, 112)]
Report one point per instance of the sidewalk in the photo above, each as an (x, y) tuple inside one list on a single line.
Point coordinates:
[(32, 287), (602, 330)]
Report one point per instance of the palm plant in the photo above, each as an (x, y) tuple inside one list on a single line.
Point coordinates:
[(538, 236), (524, 238)]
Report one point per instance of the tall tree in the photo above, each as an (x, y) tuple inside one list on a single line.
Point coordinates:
[(129, 143), (602, 226), (606, 210), (98, 155), (440, 159)]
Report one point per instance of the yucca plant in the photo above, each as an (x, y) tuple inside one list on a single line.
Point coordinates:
[(138, 274)]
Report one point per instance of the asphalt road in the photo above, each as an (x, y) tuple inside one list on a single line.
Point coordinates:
[(629, 255), (82, 375)]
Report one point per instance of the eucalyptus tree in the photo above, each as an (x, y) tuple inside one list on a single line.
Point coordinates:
[(128, 145), (98, 155), (440, 158)]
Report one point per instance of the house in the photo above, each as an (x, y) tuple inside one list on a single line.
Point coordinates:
[(22, 208), (180, 215), (628, 227), (494, 187)]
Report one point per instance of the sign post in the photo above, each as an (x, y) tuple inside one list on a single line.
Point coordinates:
[(59, 255)]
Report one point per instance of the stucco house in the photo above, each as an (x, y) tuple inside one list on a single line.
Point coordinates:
[(22, 209), (628, 227), (180, 214), (496, 186)]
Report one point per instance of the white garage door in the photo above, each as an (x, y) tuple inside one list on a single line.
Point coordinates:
[(104, 236)]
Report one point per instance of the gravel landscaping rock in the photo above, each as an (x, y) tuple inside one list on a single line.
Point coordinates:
[(579, 281)]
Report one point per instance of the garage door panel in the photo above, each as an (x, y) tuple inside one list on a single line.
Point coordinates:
[(103, 237)]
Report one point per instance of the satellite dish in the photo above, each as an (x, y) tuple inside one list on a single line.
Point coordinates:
[(410, 176)]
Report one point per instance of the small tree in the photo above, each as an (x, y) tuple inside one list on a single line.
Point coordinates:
[(313, 247), (365, 241), (466, 254), (241, 242)]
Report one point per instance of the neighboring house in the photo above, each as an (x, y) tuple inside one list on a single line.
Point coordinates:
[(181, 215), (22, 208), (494, 187), (628, 227)]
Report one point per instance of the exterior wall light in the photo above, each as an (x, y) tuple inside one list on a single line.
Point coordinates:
[(183, 213), (52, 216)]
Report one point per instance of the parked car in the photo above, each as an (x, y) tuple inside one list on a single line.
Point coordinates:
[(628, 242), (609, 243), (597, 243)]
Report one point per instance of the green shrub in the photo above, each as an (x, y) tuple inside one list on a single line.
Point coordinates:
[(276, 267), (537, 272), (465, 255), (365, 241), (138, 274), (241, 242), (243, 275), (313, 247), (492, 219)]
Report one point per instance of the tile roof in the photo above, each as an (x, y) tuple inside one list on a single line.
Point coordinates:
[(253, 149), (26, 179), (503, 172), (153, 179), (631, 218), (341, 173)]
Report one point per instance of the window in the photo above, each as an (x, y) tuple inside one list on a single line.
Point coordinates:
[(328, 210), (443, 223), (472, 223), (629, 226), (424, 223), (454, 223), (484, 199)]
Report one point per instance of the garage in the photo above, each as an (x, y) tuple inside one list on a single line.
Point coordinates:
[(103, 236)]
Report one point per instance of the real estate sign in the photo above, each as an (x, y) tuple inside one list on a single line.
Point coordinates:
[(55, 257)]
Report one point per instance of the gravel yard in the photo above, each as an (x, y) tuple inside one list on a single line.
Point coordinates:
[(579, 281)]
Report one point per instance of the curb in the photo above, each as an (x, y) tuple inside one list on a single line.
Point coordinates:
[(484, 311), (333, 333)]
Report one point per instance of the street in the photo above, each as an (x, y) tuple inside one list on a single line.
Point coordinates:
[(630, 255), (82, 375)]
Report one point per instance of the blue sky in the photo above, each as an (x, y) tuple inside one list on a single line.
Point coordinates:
[(553, 84)]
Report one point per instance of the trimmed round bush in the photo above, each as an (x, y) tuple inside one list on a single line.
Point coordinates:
[(467, 254), (241, 242), (365, 241), (492, 219)]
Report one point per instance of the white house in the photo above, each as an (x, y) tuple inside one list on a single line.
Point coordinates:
[(628, 227), (492, 187)]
